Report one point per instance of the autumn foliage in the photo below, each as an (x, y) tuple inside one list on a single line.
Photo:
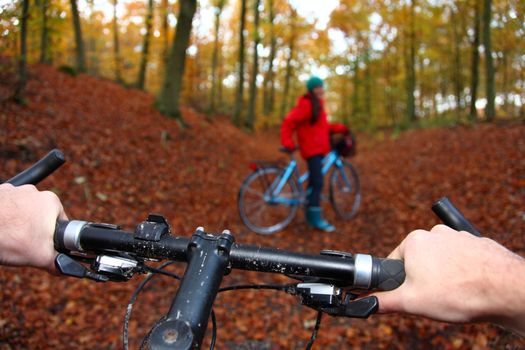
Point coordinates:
[(125, 160)]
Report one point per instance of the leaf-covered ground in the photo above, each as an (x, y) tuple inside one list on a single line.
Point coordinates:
[(125, 160)]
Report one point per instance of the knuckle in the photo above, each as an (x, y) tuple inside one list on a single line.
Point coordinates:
[(51, 197), (417, 234), (27, 188), (415, 237), (440, 228), (487, 242)]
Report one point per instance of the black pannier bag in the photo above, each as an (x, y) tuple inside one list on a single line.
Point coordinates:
[(344, 144)]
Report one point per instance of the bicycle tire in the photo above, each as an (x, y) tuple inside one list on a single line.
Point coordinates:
[(272, 228), (342, 212)]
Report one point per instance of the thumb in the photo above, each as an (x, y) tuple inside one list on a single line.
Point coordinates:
[(391, 301)]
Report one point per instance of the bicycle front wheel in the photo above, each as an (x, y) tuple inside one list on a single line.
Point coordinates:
[(264, 212), (345, 191)]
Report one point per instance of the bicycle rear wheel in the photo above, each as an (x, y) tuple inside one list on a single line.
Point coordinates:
[(345, 191), (261, 213)]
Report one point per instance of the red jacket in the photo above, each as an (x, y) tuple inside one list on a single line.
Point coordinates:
[(314, 139)]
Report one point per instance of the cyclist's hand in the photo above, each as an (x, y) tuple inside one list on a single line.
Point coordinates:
[(453, 276), (288, 148), (27, 223)]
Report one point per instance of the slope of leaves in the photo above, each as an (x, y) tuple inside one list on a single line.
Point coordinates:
[(126, 160)]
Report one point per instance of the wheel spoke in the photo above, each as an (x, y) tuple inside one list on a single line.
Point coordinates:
[(286, 195), (257, 204), (254, 192), (260, 214)]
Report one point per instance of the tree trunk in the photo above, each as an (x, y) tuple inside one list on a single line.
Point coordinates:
[(215, 58), (165, 31), (93, 62), (116, 44), (220, 76), (271, 99), (489, 66), (268, 85), (22, 60), (344, 101), (141, 81), (411, 66), (172, 87), (422, 86), (388, 106), (250, 120), (458, 80), (474, 69), (356, 109), (44, 35), (522, 94), (506, 84), (368, 85), (79, 43), (287, 77), (236, 119)]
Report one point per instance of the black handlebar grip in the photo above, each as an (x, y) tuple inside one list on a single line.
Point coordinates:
[(40, 170), (387, 274), (452, 217), (58, 237)]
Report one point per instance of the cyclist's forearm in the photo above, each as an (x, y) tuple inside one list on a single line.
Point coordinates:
[(456, 277), (506, 306)]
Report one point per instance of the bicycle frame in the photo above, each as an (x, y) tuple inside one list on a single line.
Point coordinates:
[(272, 194)]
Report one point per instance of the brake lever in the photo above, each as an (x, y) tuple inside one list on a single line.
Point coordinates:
[(360, 308), (68, 266), (330, 299), (103, 268)]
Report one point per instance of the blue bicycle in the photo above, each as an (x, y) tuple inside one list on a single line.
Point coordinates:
[(270, 196)]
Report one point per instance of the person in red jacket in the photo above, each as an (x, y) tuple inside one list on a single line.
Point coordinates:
[(308, 118)]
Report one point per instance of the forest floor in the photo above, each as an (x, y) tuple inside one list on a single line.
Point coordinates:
[(125, 160)]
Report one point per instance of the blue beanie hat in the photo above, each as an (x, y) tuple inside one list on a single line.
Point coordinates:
[(314, 82)]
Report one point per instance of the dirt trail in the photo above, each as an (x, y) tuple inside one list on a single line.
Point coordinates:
[(125, 160)]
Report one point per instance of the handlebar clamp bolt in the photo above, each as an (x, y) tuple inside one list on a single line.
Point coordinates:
[(225, 242)]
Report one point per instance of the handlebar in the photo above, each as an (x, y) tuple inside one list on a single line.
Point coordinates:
[(40, 170), (287, 150), (452, 217), (360, 271)]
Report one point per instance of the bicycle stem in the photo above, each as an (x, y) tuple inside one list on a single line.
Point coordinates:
[(185, 324)]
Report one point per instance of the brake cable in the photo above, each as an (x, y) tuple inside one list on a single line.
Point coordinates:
[(283, 288), (315, 330), (161, 270)]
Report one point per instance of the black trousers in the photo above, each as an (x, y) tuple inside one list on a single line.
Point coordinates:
[(315, 184)]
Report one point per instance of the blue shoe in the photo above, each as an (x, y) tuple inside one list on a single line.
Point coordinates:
[(315, 219)]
